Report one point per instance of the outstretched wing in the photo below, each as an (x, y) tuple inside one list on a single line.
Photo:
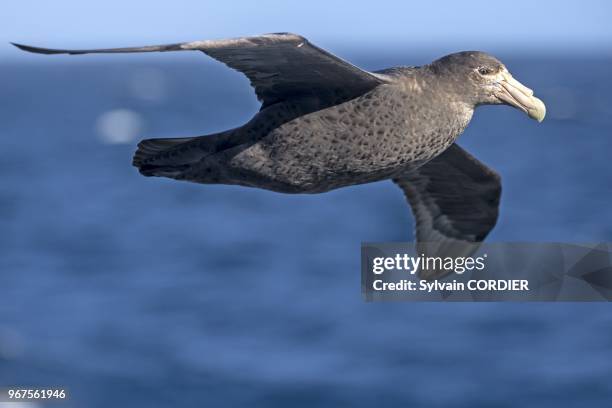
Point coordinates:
[(280, 66), (455, 202)]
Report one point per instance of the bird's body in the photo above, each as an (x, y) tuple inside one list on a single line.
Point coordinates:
[(326, 124), (387, 131)]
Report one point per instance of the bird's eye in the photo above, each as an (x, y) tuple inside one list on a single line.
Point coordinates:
[(485, 71)]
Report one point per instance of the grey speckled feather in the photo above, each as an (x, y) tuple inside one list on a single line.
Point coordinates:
[(326, 124)]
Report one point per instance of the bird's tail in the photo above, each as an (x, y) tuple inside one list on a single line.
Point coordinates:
[(165, 157), (171, 157)]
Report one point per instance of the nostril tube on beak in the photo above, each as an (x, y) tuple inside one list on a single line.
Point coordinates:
[(521, 87), (510, 80)]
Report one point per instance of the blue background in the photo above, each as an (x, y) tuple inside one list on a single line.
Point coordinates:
[(149, 292)]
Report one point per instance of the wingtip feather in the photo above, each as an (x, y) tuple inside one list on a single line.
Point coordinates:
[(36, 50)]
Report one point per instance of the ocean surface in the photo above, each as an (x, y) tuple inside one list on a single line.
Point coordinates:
[(146, 292)]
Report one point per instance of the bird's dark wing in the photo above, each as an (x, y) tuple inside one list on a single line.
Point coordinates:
[(455, 202), (280, 66)]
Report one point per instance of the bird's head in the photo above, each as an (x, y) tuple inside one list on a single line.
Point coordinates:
[(481, 79)]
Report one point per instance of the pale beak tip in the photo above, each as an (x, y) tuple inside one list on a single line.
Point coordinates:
[(538, 111)]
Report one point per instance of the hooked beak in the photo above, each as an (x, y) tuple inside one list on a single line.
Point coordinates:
[(513, 93)]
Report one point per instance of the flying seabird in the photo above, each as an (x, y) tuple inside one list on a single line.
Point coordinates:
[(325, 123)]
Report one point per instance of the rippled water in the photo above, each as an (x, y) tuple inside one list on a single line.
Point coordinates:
[(149, 292)]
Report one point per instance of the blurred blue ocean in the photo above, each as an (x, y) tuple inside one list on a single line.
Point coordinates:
[(144, 292)]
